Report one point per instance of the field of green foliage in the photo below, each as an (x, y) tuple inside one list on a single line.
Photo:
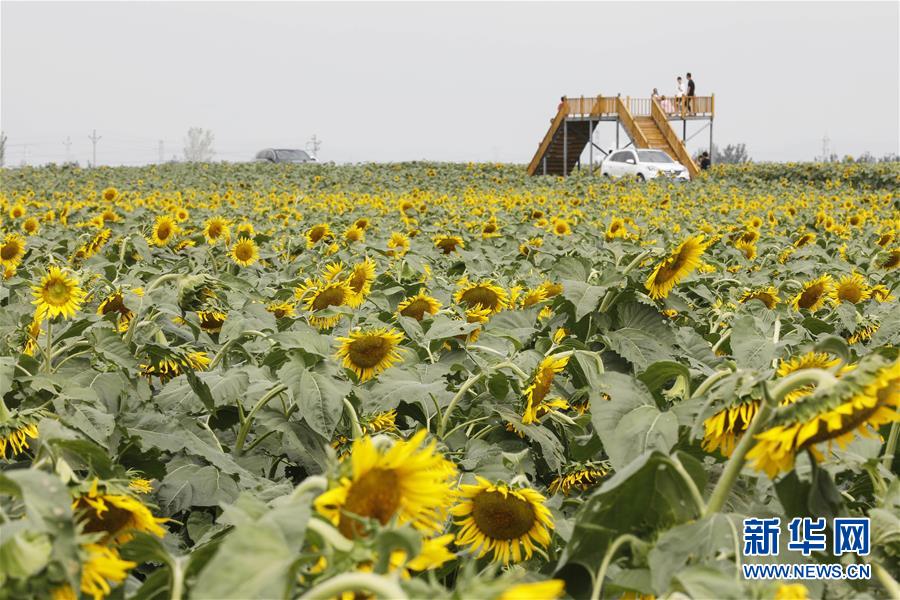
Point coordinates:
[(443, 381)]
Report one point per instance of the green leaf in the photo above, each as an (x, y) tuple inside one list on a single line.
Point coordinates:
[(711, 541), (319, 396), (660, 373), (647, 495), (751, 345), (109, 344), (23, 554), (189, 485), (7, 370), (583, 296), (638, 347)]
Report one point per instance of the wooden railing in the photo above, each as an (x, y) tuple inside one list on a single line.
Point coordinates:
[(594, 106), (662, 123), (561, 115), (639, 107), (675, 108), (628, 121)]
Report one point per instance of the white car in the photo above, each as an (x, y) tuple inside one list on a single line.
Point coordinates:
[(642, 165), (284, 155)]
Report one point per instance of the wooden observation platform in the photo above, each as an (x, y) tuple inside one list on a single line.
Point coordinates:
[(646, 121)]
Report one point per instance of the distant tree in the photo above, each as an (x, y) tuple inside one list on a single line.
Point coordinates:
[(732, 154), (198, 145), (2, 148), (890, 157)]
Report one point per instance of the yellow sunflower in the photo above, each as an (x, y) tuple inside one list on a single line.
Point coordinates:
[(417, 306), (860, 402), (102, 566), (164, 229), (114, 516), (448, 243), (15, 434), (892, 260), (211, 321), (616, 229), (398, 244), (58, 294), (814, 294), (551, 589), (768, 295), (675, 267), (410, 482), (215, 229), (318, 233), (482, 295), (110, 194), (12, 250), (115, 304), (354, 234), (369, 352), (881, 293), (536, 402), (791, 591), (853, 289), (319, 296), (281, 309), (561, 227), (360, 281), (725, 428), (511, 522), (580, 478), (175, 364), (244, 252)]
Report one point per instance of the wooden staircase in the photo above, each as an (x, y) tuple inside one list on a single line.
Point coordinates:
[(560, 150), (644, 120)]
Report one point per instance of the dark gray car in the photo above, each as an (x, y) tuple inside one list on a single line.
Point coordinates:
[(285, 155)]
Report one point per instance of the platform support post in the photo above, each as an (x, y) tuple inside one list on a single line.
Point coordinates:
[(544, 163), (710, 140), (591, 142), (617, 132), (566, 147), (684, 130)]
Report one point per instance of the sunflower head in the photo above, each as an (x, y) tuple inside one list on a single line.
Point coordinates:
[(320, 295), (768, 295), (318, 233), (217, 229), (536, 402), (58, 294), (675, 267), (12, 250), (481, 295), (409, 482), (244, 252), (369, 352), (815, 294), (448, 243), (853, 289), (418, 306), (510, 521), (164, 230), (115, 516)]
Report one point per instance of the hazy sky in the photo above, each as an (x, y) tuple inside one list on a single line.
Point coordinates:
[(441, 81)]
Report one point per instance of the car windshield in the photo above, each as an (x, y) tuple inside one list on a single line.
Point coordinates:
[(654, 156), (292, 155)]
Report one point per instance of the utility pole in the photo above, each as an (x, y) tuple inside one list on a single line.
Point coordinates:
[(94, 139), (162, 152), (314, 144), (68, 144), (826, 150)]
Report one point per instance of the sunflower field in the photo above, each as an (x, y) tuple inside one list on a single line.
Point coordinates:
[(443, 381)]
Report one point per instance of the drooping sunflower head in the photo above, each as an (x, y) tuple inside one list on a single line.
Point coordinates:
[(166, 363), (216, 229), (58, 294), (369, 352), (768, 295), (115, 516), (536, 402), (815, 294), (164, 230), (853, 289), (360, 281), (448, 243), (211, 321), (481, 295), (418, 306), (859, 402), (398, 244), (244, 252), (115, 304), (281, 309), (15, 433), (675, 267), (804, 239), (510, 521), (101, 569), (882, 293), (579, 477), (410, 482), (12, 250), (891, 261)]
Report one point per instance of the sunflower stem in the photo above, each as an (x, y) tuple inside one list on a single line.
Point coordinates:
[(607, 558), (711, 381), (736, 462), (354, 419), (177, 572), (140, 311), (245, 426), (820, 377), (445, 419), (48, 354), (218, 358), (688, 482), (313, 482), (381, 586), (887, 582), (722, 340), (891, 448), (635, 262), (515, 369), (331, 535)]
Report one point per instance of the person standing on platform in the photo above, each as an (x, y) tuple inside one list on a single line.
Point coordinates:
[(690, 93), (679, 93)]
